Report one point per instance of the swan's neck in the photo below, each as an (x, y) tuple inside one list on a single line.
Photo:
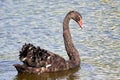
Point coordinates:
[(69, 46)]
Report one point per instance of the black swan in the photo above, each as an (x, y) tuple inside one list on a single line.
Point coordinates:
[(37, 60)]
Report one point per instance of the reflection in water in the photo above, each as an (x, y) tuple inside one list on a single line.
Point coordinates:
[(68, 74)]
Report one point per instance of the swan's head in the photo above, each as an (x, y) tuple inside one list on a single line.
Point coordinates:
[(76, 16)]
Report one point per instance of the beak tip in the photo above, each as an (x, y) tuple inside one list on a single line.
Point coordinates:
[(80, 23)]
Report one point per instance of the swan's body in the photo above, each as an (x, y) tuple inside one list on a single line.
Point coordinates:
[(38, 60)]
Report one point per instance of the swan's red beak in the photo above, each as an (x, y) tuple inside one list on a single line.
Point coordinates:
[(80, 23)]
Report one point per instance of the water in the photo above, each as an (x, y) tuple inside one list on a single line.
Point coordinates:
[(40, 23)]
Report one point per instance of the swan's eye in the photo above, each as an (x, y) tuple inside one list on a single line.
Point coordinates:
[(77, 19)]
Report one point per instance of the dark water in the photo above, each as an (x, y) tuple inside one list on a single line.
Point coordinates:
[(40, 22)]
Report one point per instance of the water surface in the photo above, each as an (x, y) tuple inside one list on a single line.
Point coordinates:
[(40, 23)]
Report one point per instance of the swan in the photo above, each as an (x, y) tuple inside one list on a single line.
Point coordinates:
[(37, 60)]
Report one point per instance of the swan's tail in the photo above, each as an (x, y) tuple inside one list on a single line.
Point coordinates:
[(33, 56)]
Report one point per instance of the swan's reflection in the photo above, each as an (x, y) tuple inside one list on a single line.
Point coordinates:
[(68, 74)]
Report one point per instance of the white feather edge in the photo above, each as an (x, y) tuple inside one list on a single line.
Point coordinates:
[(48, 65), (24, 59)]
